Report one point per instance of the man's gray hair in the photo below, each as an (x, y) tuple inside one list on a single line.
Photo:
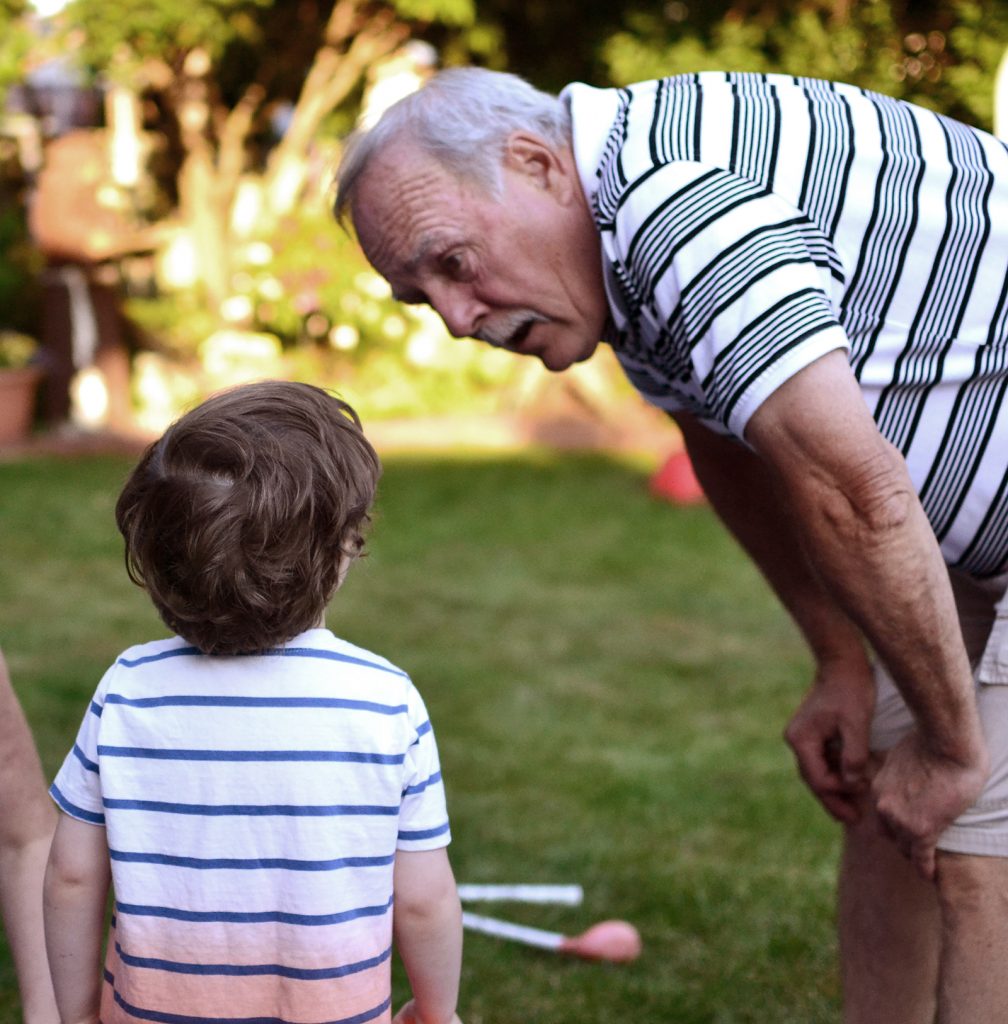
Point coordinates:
[(462, 117)]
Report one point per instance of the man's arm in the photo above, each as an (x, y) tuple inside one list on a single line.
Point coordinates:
[(866, 535), (27, 822), (427, 919), (76, 890), (829, 732)]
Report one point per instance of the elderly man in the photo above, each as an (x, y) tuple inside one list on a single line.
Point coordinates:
[(812, 280)]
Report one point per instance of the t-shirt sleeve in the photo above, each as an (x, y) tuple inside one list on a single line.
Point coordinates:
[(732, 287), (423, 812), (77, 786)]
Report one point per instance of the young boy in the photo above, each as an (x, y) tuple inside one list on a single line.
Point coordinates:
[(255, 787)]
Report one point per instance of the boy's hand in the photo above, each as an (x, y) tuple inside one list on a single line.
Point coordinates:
[(410, 1015)]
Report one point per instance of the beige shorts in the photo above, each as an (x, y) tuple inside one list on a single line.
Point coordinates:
[(983, 614)]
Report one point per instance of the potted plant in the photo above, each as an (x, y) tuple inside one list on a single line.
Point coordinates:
[(19, 380)]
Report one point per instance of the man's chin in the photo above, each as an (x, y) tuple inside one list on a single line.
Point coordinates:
[(557, 361), (554, 362)]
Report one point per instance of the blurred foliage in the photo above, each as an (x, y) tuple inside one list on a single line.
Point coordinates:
[(306, 286), (268, 41), (17, 350), (939, 52), (978, 39), (298, 289), (338, 320), (550, 42), (15, 42), (159, 29), (19, 261), (20, 268), (942, 55)]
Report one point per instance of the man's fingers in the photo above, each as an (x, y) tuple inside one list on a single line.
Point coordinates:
[(920, 852), (854, 757), (821, 766), (839, 800), (922, 855), (842, 807), (815, 770)]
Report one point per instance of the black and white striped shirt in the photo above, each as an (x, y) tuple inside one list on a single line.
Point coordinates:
[(752, 223)]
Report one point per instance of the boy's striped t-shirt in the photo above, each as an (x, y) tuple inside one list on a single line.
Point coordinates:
[(752, 223), (253, 809)]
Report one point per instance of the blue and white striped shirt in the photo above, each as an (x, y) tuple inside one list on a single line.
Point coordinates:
[(253, 808)]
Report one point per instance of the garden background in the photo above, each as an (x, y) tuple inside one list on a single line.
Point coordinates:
[(607, 675)]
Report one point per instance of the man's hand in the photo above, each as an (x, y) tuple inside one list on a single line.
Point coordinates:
[(918, 794), (829, 737), (409, 1015)]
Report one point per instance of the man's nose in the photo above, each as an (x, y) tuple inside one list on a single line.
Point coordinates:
[(461, 311)]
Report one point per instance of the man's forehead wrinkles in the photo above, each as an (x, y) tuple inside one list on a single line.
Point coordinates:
[(420, 252)]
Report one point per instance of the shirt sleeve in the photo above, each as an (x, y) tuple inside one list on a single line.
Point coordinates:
[(728, 289), (423, 813), (77, 786)]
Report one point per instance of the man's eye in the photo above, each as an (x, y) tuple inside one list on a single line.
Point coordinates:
[(453, 264), (411, 298)]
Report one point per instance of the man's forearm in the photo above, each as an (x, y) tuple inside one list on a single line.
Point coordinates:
[(847, 569), (739, 488), (866, 536), (897, 588)]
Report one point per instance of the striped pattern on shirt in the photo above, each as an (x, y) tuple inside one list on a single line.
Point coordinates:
[(752, 223), (253, 808)]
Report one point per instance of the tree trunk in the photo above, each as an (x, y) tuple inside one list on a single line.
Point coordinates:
[(350, 47), (206, 223), (200, 206)]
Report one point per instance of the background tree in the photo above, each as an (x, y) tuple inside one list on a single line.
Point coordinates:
[(18, 291), (15, 42), (251, 98), (942, 54), (216, 69)]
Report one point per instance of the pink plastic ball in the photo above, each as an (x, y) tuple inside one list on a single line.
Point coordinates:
[(615, 941)]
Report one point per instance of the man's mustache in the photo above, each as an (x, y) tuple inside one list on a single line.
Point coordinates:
[(508, 330)]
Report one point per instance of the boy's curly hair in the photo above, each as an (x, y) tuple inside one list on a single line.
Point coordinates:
[(238, 519)]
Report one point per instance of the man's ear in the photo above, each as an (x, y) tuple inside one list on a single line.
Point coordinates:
[(539, 161)]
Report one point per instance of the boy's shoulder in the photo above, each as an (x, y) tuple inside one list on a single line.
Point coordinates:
[(316, 658), (324, 644), (155, 650), (356, 671)]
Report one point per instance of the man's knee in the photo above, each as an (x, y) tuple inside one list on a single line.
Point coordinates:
[(971, 888)]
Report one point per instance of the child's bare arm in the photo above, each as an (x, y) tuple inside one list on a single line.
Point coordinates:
[(427, 920), (76, 890)]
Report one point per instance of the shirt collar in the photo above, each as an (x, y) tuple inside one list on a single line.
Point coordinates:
[(592, 112)]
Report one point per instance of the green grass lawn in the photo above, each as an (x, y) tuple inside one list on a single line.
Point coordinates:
[(608, 679)]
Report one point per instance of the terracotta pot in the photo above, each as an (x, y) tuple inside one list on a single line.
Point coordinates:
[(17, 402)]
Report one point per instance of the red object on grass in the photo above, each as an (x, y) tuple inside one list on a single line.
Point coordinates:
[(675, 481)]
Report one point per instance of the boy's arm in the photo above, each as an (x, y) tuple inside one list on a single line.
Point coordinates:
[(427, 919), (76, 891)]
